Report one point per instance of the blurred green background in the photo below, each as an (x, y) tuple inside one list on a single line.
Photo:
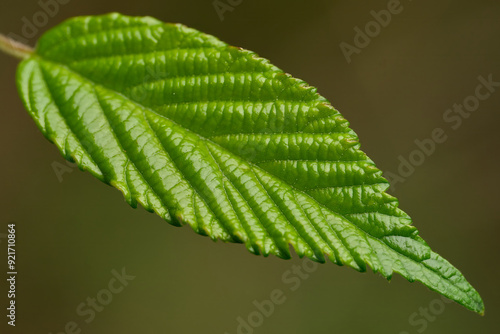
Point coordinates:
[(72, 234)]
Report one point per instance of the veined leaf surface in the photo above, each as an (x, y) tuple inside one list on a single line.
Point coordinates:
[(215, 137)]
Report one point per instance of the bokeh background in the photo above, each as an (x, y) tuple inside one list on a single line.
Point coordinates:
[(72, 234)]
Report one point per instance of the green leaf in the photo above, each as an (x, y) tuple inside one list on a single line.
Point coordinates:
[(215, 137)]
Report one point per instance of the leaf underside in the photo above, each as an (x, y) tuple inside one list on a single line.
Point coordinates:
[(215, 137)]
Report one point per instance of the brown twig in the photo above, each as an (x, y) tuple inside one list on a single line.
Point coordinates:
[(14, 48)]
